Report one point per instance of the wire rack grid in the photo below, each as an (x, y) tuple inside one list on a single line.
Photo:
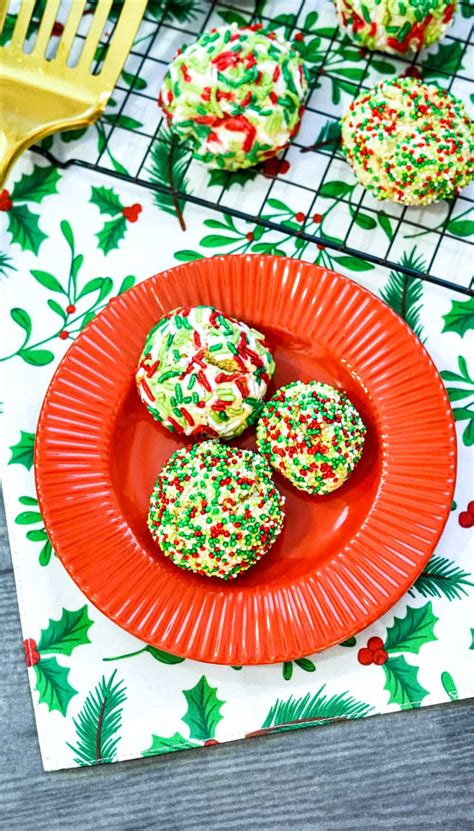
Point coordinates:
[(134, 131)]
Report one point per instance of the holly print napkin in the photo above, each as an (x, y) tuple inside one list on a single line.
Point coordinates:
[(73, 240)]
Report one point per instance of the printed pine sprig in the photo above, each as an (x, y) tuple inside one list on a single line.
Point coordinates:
[(98, 724), (169, 163), (442, 578), (23, 224), (202, 716), (32, 516), (6, 265), (75, 310), (407, 634), (60, 637), (113, 231), (405, 294), (310, 710), (462, 391)]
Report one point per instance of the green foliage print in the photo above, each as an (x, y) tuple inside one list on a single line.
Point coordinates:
[(169, 163), (22, 453), (460, 318), (442, 578), (405, 294), (201, 717), (60, 637), (237, 237), (73, 301), (108, 202), (462, 390), (98, 724), (32, 516), (310, 710), (407, 634), (157, 654), (23, 223)]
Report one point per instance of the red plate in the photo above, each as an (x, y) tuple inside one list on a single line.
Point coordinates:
[(342, 559)]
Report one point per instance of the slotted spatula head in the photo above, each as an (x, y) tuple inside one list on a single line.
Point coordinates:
[(40, 96)]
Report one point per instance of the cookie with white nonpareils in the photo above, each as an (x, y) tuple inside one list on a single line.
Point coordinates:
[(215, 510), (311, 434), (203, 373), (409, 142)]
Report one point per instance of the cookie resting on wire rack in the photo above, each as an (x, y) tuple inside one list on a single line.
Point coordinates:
[(237, 94)]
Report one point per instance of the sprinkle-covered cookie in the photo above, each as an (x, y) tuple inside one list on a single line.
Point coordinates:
[(215, 510), (409, 142), (202, 373), (237, 93), (396, 26), (312, 434)]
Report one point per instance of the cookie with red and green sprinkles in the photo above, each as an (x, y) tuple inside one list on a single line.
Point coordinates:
[(237, 94), (395, 26), (312, 434), (215, 509), (409, 142), (202, 373)]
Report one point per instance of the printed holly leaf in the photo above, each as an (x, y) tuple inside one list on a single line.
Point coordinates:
[(461, 317), (447, 59), (111, 234), (203, 713), (23, 226), (107, 201), (163, 657), (163, 744), (53, 686), (63, 635), (23, 451), (408, 634), (226, 179), (401, 682), (34, 186)]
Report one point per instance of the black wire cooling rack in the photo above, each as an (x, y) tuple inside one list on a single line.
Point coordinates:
[(315, 156)]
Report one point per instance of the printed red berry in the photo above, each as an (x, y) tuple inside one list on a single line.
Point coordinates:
[(321, 247), (249, 236), (375, 643), (317, 218), (466, 519), (70, 309), (300, 216), (31, 653), (131, 213), (275, 167), (412, 72), (57, 29), (365, 656), (299, 36), (64, 335), (470, 507), (209, 742), (380, 657), (6, 203)]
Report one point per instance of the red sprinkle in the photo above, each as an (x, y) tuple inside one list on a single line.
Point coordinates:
[(203, 380)]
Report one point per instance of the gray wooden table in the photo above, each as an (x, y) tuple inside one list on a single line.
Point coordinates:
[(402, 771)]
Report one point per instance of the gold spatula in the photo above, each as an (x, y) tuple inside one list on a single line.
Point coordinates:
[(40, 96)]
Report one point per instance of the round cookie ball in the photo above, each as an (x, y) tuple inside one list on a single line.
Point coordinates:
[(215, 510), (311, 434), (237, 93), (395, 26), (202, 373), (409, 142)]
